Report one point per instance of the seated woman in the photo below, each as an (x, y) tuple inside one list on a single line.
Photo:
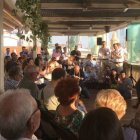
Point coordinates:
[(101, 124), (67, 91), (112, 99)]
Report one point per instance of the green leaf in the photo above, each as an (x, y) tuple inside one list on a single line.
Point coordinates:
[(27, 39), (32, 19), (22, 37)]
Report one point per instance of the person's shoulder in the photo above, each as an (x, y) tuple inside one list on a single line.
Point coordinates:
[(48, 87), (128, 79), (2, 138), (129, 133), (79, 114)]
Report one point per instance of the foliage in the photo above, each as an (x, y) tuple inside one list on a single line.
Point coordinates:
[(30, 11)]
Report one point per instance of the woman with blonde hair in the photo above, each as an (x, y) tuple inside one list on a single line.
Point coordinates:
[(112, 99)]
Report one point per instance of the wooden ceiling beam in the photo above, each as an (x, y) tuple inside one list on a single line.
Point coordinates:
[(78, 26), (93, 5), (9, 25), (76, 30), (135, 1), (61, 6), (56, 19), (10, 22), (7, 13)]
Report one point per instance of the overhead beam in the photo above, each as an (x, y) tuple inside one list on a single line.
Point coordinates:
[(76, 25), (12, 17), (135, 1), (9, 25), (72, 32), (61, 6), (10, 22), (75, 30), (93, 5), (54, 19), (86, 32)]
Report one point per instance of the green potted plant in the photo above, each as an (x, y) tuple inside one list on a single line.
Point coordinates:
[(32, 21)]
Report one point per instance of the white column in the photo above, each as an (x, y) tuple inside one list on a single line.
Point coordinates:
[(1, 46)]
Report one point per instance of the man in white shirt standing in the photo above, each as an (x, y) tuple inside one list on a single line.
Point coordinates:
[(103, 56), (117, 56)]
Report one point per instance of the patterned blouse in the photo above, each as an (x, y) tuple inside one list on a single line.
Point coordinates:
[(72, 121)]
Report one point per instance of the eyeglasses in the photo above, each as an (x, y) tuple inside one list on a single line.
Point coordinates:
[(34, 111), (37, 109)]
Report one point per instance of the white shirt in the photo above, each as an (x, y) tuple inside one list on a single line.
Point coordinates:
[(118, 52), (104, 53)]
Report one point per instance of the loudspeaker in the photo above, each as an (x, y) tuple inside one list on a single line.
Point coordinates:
[(107, 29), (126, 34), (99, 41)]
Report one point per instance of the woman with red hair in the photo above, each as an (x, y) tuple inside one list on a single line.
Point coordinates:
[(67, 91)]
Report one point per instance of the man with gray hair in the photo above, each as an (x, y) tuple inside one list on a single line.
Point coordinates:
[(19, 115), (28, 81)]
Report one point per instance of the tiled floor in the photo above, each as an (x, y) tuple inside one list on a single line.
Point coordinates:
[(130, 112)]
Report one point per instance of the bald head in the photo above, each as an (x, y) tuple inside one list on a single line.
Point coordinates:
[(16, 108)]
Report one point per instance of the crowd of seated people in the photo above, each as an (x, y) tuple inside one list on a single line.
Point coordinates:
[(69, 80), (20, 115), (87, 71)]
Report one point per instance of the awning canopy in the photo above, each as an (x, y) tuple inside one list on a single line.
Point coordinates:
[(71, 17)]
